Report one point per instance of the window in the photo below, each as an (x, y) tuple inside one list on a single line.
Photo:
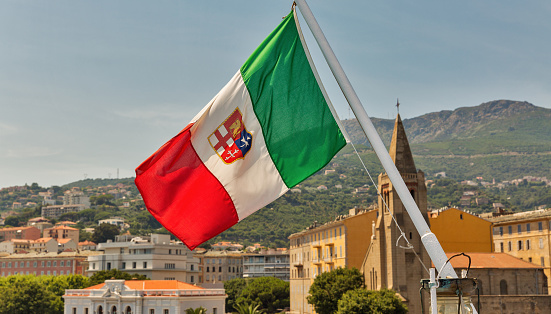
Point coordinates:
[(108, 266), (28, 264), (74, 310), (214, 311), (527, 228), (510, 246), (122, 250), (503, 287), (461, 216), (151, 311), (519, 246), (510, 229), (169, 251), (541, 243), (123, 265), (9, 264), (527, 244), (170, 265), (48, 264), (208, 269), (35, 263), (165, 311), (501, 246), (134, 265), (55, 264), (219, 277), (220, 269), (62, 264), (530, 259), (229, 269), (500, 231), (192, 279), (540, 226), (542, 260), (519, 229), (68, 263), (144, 264)]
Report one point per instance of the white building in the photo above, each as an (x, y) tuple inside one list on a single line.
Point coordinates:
[(156, 257), (143, 296), (267, 263), (116, 221)]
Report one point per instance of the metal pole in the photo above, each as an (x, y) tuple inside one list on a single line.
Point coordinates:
[(433, 247)]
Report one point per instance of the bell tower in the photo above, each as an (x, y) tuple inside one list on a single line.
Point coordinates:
[(388, 264)]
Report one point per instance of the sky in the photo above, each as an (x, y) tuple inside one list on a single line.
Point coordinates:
[(90, 89)]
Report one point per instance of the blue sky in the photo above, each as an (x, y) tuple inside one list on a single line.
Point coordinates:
[(89, 87)]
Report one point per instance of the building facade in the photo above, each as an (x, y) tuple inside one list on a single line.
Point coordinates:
[(459, 231), (156, 257), (143, 297), (266, 263), (55, 211), (321, 248), (64, 263), (219, 267), (526, 235), (19, 233), (61, 233)]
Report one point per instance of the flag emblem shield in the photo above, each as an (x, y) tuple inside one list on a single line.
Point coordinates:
[(231, 140)]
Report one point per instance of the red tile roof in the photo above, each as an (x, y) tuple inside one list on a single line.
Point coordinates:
[(490, 260)]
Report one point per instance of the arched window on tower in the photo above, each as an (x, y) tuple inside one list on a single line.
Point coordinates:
[(412, 191)]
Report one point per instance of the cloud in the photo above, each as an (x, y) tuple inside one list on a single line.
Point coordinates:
[(7, 129), (158, 115), (30, 152)]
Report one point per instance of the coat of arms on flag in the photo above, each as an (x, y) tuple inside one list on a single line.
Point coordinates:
[(230, 140)]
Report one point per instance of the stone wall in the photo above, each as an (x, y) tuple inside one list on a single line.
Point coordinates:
[(514, 304)]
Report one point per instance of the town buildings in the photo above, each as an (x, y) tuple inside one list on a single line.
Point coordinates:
[(51, 263), (321, 248), (143, 297), (155, 256), (61, 233), (55, 211), (526, 235)]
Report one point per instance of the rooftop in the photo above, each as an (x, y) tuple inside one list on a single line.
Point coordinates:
[(522, 216), (490, 260), (153, 285)]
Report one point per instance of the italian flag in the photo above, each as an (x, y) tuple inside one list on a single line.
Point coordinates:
[(266, 131)]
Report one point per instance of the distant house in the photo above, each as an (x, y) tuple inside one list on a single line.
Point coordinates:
[(87, 245), (321, 188)]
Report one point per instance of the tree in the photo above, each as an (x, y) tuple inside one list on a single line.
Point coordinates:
[(12, 221), (102, 276), (269, 292), (233, 289), (328, 288), (199, 310), (105, 232), (27, 296), (359, 301), (247, 309)]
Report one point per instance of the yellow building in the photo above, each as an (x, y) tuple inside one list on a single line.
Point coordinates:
[(527, 236), (321, 248), (459, 231)]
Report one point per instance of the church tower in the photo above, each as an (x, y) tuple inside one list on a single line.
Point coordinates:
[(387, 265)]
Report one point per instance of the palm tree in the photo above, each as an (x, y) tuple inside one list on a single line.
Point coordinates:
[(243, 308), (199, 310)]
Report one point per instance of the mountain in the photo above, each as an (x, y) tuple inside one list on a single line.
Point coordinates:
[(500, 126)]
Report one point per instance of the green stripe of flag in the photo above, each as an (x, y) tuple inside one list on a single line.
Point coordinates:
[(300, 132)]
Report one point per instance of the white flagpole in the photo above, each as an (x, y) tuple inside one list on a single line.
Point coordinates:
[(433, 247)]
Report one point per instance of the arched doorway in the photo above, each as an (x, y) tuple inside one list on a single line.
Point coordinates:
[(100, 309), (128, 310), (113, 309)]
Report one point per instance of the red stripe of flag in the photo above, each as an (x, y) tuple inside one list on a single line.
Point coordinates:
[(182, 194)]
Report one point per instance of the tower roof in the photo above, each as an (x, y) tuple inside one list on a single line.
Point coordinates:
[(399, 149)]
